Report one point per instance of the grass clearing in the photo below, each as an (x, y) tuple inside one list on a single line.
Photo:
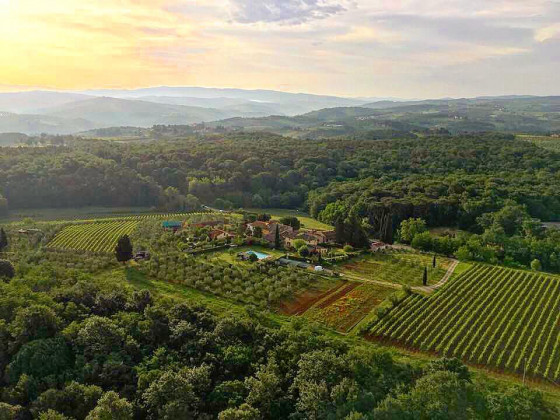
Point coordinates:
[(230, 255), (395, 267), (307, 222)]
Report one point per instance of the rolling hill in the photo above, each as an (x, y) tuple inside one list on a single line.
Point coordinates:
[(106, 112)]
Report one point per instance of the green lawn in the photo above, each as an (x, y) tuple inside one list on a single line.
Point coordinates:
[(230, 255), (395, 267), (307, 222)]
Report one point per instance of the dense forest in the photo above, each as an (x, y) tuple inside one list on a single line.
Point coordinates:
[(265, 170), (359, 185)]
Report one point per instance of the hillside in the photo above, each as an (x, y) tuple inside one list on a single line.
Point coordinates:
[(107, 112), (31, 102), (36, 124), (532, 115)]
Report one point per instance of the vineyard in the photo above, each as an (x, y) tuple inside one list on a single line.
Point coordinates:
[(395, 267), (101, 235), (94, 237), (506, 319)]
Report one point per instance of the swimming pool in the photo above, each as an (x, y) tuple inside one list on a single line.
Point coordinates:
[(259, 255)]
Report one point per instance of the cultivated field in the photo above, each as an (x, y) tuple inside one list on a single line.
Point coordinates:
[(395, 267), (506, 319), (101, 235), (348, 305)]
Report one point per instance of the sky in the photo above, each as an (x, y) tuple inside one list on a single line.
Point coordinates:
[(362, 48)]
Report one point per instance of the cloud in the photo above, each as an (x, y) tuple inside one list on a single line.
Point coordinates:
[(548, 32), (290, 12), (368, 34)]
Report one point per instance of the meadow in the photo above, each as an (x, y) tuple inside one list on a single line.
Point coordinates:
[(400, 267), (307, 222)]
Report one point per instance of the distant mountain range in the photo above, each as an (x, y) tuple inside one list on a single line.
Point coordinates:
[(297, 114), (69, 112)]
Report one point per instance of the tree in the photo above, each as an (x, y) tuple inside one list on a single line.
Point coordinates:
[(348, 248), (41, 358), (257, 232), (244, 412), (52, 415), (177, 395), (263, 217), (123, 250), (257, 201), (75, 400), (111, 407), (291, 221), (7, 270), (303, 251), (3, 240), (438, 395), (410, 228), (425, 277), (536, 265), (253, 257), (298, 243), (277, 243), (192, 203), (33, 323), (434, 262)]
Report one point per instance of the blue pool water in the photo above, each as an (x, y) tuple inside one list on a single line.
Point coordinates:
[(259, 255)]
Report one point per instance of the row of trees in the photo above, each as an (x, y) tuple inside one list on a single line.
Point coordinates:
[(509, 236)]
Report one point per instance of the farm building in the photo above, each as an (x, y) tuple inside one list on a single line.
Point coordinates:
[(172, 225)]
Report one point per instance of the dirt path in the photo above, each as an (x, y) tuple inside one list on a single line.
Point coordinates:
[(425, 289), (444, 279)]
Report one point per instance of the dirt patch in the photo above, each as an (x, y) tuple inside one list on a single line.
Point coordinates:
[(335, 296), (302, 302)]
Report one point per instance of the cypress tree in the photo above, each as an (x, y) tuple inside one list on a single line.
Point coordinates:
[(277, 238), (7, 270), (3, 239), (434, 261), (425, 278), (123, 250)]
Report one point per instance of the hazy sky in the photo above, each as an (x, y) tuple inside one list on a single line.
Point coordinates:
[(408, 48)]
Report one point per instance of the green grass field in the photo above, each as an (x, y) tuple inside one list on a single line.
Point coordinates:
[(230, 255), (307, 221), (395, 267)]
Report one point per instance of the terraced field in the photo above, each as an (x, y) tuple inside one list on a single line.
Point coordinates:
[(505, 319)]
